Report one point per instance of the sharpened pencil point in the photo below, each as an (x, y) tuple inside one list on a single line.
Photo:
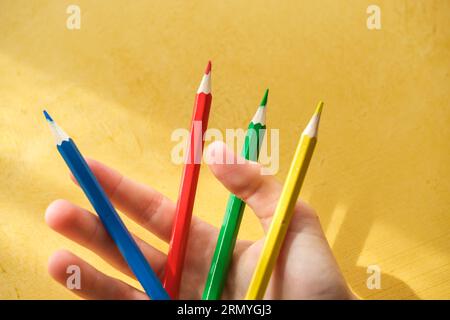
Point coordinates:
[(264, 99), (208, 68), (205, 85), (47, 116), (319, 108), (313, 124)]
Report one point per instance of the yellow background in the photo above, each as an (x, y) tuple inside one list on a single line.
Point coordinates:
[(120, 85)]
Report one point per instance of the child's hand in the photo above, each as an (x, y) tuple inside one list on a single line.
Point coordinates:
[(306, 268)]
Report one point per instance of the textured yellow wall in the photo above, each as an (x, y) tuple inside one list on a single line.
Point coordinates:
[(122, 84)]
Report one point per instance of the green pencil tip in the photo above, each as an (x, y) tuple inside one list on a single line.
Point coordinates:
[(264, 99)]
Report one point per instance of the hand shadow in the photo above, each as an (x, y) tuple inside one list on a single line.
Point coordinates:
[(348, 247)]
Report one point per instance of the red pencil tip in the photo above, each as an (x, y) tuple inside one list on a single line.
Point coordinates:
[(208, 68)]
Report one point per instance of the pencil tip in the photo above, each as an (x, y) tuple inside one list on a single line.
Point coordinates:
[(319, 108), (47, 116), (264, 99), (313, 124), (205, 84), (208, 67)]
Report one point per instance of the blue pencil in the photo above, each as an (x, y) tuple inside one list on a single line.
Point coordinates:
[(108, 215)]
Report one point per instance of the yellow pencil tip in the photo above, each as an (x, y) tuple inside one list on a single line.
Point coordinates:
[(313, 124), (319, 108)]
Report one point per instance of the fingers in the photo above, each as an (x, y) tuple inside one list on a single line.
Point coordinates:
[(244, 179), (86, 229), (65, 267), (141, 203)]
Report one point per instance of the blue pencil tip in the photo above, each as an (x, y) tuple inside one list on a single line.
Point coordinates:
[(47, 116)]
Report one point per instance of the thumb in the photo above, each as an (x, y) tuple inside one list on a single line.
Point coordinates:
[(244, 179)]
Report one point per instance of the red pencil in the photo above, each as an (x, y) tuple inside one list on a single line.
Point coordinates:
[(186, 196)]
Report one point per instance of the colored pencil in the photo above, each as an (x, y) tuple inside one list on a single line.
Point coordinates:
[(223, 252), (285, 208), (186, 196), (106, 212)]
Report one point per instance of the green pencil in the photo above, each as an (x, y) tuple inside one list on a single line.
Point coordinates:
[(223, 253)]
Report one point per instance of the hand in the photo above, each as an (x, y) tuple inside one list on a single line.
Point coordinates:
[(306, 268)]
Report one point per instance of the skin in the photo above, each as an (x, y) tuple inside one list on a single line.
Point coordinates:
[(306, 268)]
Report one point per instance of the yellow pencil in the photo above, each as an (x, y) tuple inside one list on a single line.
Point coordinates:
[(284, 210)]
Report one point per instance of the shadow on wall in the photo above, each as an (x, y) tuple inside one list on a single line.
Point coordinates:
[(348, 245)]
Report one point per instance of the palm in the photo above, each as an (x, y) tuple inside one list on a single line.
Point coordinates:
[(305, 260), (306, 268)]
